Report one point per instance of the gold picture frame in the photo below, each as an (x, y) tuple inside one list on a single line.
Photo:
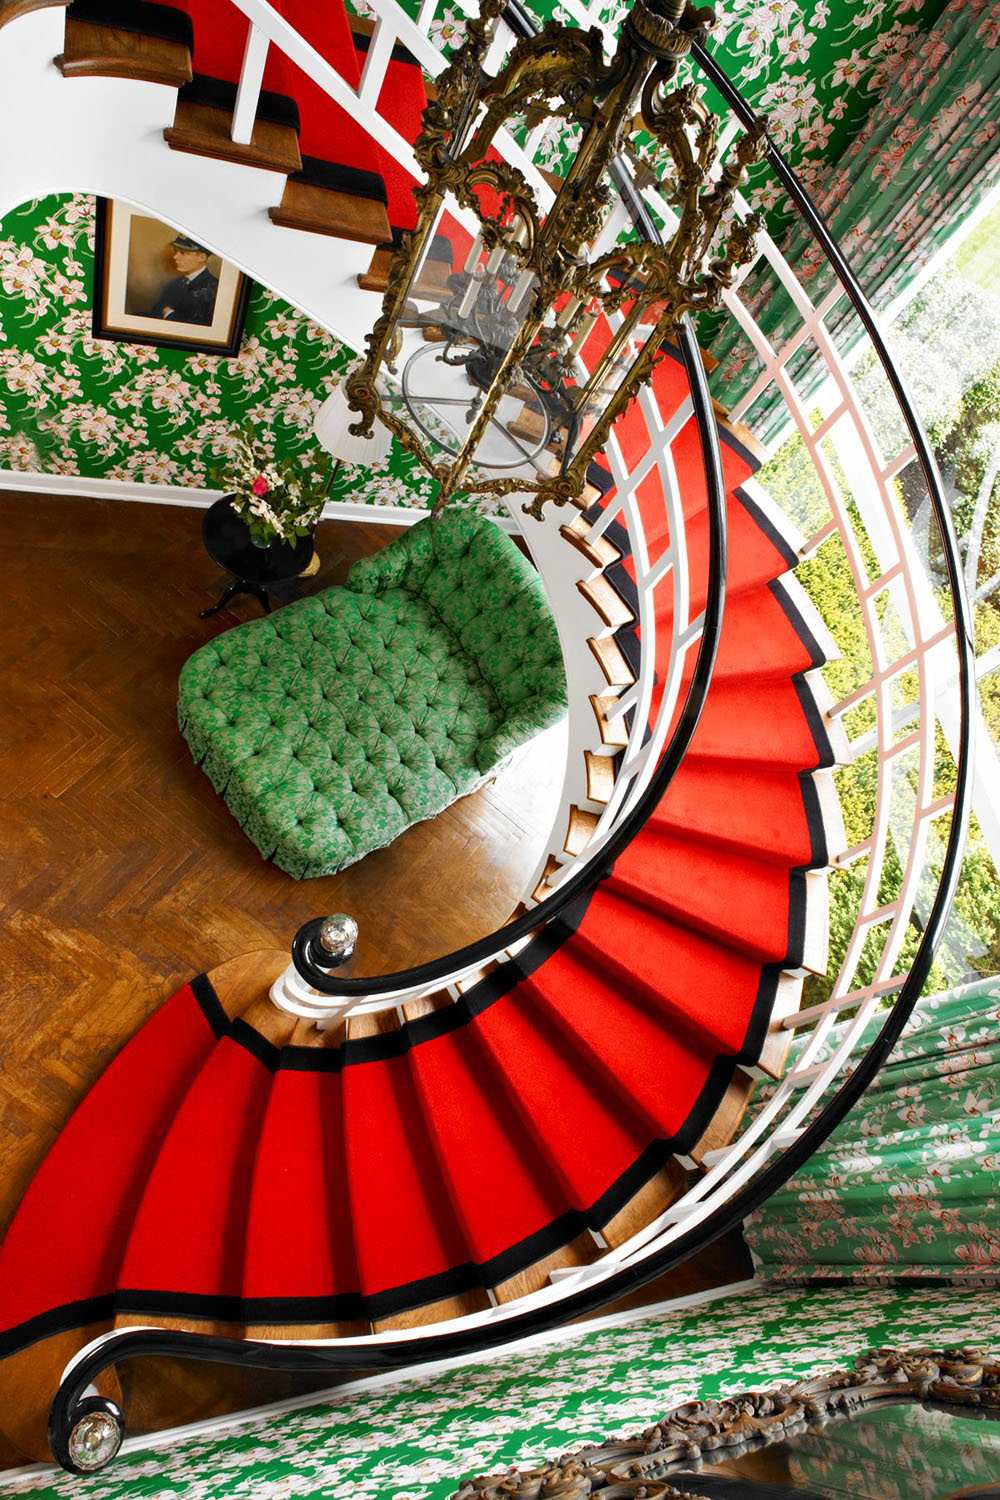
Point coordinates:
[(154, 284)]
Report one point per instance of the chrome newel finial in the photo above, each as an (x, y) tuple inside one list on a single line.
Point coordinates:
[(338, 938), (319, 947)]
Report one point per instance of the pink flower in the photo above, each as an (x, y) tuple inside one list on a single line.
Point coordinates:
[(260, 485)]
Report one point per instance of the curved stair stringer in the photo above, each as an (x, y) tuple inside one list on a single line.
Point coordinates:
[(105, 136), (569, 575)]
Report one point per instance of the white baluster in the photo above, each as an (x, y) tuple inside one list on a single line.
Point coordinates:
[(251, 79)]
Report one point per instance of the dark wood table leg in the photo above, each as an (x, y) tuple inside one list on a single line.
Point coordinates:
[(238, 586), (260, 593), (228, 593)]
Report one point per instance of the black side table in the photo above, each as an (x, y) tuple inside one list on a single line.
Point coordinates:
[(254, 570)]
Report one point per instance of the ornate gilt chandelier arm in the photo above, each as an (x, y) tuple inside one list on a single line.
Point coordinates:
[(447, 117), (515, 226), (559, 62), (495, 376)]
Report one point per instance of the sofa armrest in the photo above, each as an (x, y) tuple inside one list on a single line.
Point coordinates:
[(403, 564), (522, 724)]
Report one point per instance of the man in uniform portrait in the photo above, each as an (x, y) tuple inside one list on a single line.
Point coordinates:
[(190, 296)]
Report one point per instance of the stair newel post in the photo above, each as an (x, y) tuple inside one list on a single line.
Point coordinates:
[(320, 946)]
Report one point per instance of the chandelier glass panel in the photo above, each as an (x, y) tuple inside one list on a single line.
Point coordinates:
[(504, 372)]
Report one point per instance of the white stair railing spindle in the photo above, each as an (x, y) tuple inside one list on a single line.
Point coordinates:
[(251, 81), (376, 62), (295, 47)]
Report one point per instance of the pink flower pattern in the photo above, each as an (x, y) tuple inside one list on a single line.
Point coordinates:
[(907, 1186), (927, 154)]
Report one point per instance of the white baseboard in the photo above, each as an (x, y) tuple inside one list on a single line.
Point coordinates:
[(80, 487)]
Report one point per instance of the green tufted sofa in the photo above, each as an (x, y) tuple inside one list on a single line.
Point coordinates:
[(333, 724)]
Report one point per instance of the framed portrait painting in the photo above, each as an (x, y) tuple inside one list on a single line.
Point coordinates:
[(154, 284)]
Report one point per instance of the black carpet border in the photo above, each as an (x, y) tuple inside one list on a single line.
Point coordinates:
[(362, 41), (141, 17), (219, 93), (560, 1231), (468, 1276), (338, 177)]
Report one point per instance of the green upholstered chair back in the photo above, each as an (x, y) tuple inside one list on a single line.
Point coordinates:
[(486, 592)]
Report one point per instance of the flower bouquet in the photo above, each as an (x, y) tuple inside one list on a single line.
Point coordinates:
[(277, 500)]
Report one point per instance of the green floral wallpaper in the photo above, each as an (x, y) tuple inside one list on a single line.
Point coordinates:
[(817, 67), (415, 1439), (72, 404), (908, 1185)]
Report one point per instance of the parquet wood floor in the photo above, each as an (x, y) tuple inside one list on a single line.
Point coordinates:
[(124, 874)]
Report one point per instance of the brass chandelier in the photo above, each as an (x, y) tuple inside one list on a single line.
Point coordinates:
[(486, 386)]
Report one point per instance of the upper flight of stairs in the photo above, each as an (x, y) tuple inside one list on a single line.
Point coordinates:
[(258, 1176), (338, 181)]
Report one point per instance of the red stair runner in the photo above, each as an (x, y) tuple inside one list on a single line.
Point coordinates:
[(299, 1186), (212, 1175)]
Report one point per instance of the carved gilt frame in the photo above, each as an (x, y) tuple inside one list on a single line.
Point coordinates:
[(639, 1467)]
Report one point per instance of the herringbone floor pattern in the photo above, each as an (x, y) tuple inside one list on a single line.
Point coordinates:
[(125, 873)]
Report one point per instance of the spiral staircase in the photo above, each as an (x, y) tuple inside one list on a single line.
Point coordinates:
[(421, 1164)]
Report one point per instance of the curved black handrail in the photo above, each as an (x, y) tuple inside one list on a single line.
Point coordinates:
[(392, 1354), (307, 951), (306, 946)]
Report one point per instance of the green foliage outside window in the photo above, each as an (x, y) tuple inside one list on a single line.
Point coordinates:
[(791, 480)]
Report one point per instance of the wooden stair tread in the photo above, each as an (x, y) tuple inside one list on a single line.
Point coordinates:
[(91, 50), (376, 278), (614, 732), (606, 601), (377, 1023), (425, 1005), (206, 130), (611, 660), (433, 1312), (543, 889), (11, 9), (600, 776), (432, 283), (580, 831), (476, 977), (726, 1120), (581, 1251), (600, 552), (662, 1189), (430, 286), (322, 210)]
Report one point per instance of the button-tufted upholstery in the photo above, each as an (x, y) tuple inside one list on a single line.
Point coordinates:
[(333, 724)]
